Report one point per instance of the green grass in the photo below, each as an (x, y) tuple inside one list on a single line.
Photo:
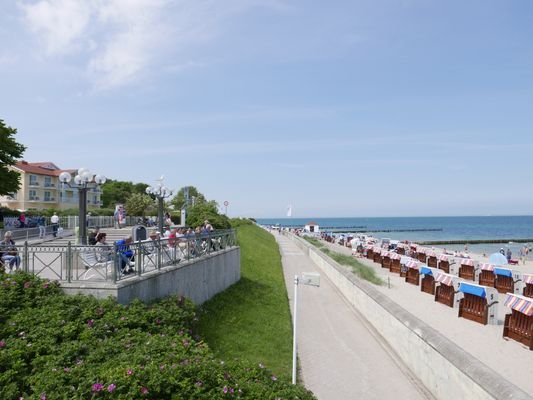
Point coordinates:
[(251, 319), (358, 268)]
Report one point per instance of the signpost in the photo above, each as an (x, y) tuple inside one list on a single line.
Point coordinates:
[(226, 204)]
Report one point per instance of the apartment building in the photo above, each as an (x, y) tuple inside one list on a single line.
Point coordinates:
[(40, 188)]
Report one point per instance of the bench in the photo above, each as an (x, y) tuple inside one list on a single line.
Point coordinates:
[(94, 269), (427, 283), (477, 303), (412, 275), (446, 288), (519, 324)]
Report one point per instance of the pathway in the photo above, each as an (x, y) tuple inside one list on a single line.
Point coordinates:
[(340, 355)]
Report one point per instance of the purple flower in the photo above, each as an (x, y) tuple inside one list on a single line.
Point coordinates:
[(225, 389), (46, 285), (129, 372), (185, 342), (66, 369), (158, 321), (111, 388), (274, 378), (162, 367), (97, 387), (2, 344), (27, 285), (144, 390), (199, 383), (42, 396), (90, 323)]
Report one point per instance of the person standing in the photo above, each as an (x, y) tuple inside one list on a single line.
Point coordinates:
[(41, 223), (509, 255), (55, 224)]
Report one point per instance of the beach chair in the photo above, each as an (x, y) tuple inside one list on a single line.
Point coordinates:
[(527, 280), (421, 255), (446, 287), (487, 277), (519, 324), (427, 283), (412, 274), (370, 253), (377, 255), (385, 259), (478, 303), (432, 259), (507, 280), (447, 264), (395, 266), (467, 269)]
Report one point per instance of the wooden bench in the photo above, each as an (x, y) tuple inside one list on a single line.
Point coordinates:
[(477, 303), (412, 275), (519, 324), (427, 283)]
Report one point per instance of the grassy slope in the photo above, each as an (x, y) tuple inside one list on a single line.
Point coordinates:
[(251, 319)]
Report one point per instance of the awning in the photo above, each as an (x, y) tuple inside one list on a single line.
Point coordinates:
[(385, 254), (412, 264), (425, 270), (443, 257), (395, 256), (527, 278), (487, 267), (431, 253), (445, 279), (405, 259), (467, 261), (473, 289), (503, 272), (377, 250), (519, 303)]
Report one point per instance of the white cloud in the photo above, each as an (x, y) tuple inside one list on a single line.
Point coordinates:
[(119, 40), (59, 23)]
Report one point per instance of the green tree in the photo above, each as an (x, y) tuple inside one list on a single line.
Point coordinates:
[(180, 200), (137, 204), (10, 151), (208, 210), (118, 192)]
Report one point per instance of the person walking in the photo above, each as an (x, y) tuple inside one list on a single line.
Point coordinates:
[(55, 224), (8, 252)]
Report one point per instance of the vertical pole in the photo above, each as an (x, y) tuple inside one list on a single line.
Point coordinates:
[(69, 262), (160, 213), (294, 312), (83, 212)]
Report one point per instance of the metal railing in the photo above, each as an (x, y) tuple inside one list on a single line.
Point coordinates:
[(72, 263)]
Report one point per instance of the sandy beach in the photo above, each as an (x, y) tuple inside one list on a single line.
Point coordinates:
[(507, 357)]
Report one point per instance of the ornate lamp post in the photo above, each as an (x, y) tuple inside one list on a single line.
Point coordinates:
[(161, 192), (83, 181)]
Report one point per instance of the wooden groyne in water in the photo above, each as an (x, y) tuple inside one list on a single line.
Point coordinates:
[(480, 241), (347, 230)]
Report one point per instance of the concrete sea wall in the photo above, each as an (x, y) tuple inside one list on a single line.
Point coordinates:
[(198, 279), (446, 370)]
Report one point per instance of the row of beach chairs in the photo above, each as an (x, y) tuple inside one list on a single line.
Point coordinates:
[(469, 286)]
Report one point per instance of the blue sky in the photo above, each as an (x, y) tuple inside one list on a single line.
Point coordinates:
[(340, 108)]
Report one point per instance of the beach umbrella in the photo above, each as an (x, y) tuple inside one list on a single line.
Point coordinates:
[(497, 259)]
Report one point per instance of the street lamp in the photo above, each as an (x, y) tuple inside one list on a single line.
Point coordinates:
[(161, 192), (83, 181)]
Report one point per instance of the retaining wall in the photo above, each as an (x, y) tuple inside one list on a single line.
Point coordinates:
[(198, 279), (446, 370)]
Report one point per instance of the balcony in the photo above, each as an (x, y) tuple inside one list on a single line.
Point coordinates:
[(49, 199), (34, 183), (49, 185), (34, 198)]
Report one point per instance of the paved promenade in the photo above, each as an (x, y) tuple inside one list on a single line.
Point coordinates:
[(340, 355)]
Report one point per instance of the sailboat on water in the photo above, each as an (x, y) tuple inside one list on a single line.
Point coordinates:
[(289, 210)]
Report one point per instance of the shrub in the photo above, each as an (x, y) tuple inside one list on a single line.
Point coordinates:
[(54, 346)]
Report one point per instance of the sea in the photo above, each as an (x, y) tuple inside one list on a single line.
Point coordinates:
[(502, 228)]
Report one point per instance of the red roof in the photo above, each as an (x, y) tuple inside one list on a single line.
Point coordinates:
[(40, 168), (312, 223)]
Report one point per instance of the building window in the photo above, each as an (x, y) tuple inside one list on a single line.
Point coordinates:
[(47, 196), (48, 182), (33, 195), (33, 180)]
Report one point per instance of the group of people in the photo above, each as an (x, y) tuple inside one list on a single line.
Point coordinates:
[(9, 256)]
